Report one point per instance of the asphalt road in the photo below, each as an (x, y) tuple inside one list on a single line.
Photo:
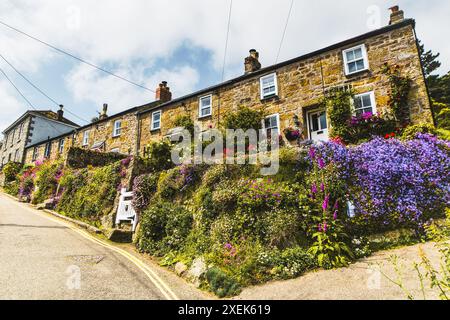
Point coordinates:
[(42, 257)]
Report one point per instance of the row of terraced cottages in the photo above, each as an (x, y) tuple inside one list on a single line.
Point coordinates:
[(285, 91)]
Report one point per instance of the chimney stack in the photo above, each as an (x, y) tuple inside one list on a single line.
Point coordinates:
[(397, 15), (60, 112), (251, 62), (163, 92), (104, 113)]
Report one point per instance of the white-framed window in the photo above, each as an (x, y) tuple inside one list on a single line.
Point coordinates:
[(205, 106), (268, 86), (364, 103), (35, 153), (117, 131), (48, 149), (271, 125), (85, 138), (355, 59), (156, 120), (61, 145), (16, 156)]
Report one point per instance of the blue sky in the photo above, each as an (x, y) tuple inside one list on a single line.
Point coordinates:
[(180, 41)]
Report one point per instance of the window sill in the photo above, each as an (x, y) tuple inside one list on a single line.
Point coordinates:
[(155, 130), (270, 98), (357, 73), (205, 117), (117, 136)]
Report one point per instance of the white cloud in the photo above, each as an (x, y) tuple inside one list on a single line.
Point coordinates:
[(90, 85), (10, 107)]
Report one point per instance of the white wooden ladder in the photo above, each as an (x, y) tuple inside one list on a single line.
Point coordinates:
[(125, 211)]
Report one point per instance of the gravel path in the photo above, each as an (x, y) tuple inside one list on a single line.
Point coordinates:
[(360, 281)]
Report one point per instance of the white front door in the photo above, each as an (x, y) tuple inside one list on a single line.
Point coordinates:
[(318, 126)]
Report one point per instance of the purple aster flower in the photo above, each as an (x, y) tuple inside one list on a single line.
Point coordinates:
[(325, 202)]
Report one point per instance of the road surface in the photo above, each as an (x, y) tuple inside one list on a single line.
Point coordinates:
[(42, 257)]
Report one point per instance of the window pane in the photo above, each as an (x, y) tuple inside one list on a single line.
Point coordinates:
[(350, 55), (360, 64), (366, 100), (358, 103), (366, 110), (352, 67), (206, 101), (156, 116), (358, 53), (269, 81), (268, 90), (206, 111), (315, 122), (323, 121)]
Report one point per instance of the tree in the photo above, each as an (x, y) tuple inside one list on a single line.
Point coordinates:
[(429, 60), (439, 86)]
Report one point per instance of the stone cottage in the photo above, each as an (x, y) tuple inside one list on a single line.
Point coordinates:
[(33, 127), (116, 133), (292, 89), (288, 92)]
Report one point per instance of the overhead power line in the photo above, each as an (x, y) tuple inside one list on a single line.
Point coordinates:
[(25, 98), (38, 89), (75, 57), (284, 31), (226, 40)]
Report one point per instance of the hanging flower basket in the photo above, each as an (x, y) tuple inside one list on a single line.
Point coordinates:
[(291, 134)]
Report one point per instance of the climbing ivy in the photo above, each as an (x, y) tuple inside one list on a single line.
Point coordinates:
[(339, 110), (400, 86)]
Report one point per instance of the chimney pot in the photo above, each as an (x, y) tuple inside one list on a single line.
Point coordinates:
[(60, 112), (397, 15), (252, 62), (163, 92), (394, 9), (104, 113)]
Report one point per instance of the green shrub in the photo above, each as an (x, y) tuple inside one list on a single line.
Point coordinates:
[(144, 188), (288, 263), (245, 118), (78, 158), (11, 170), (170, 182), (411, 132), (282, 228), (221, 283), (214, 174), (225, 196), (157, 156), (89, 194), (12, 188), (186, 122), (46, 182), (443, 134), (164, 227)]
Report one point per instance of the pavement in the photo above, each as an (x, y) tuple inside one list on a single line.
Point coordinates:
[(43, 257), (367, 279)]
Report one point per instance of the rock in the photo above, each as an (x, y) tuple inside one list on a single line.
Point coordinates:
[(49, 204), (196, 271), (180, 268), (40, 206)]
